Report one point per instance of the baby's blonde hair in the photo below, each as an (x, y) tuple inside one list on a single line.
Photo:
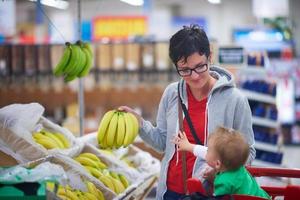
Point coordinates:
[(230, 146)]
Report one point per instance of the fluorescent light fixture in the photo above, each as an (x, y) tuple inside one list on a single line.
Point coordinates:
[(214, 1), (60, 4), (134, 2)]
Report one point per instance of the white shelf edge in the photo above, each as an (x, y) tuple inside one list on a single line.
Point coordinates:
[(264, 122), (251, 95), (261, 163), (267, 146)]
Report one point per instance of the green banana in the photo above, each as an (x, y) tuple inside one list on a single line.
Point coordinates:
[(59, 68), (72, 66), (88, 46), (88, 63)]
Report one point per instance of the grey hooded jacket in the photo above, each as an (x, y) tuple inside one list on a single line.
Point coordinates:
[(226, 106)]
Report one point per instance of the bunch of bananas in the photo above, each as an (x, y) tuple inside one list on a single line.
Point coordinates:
[(68, 193), (115, 182), (117, 129), (76, 61), (51, 140)]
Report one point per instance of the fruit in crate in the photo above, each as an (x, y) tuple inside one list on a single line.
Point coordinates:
[(116, 129), (51, 140), (76, 61), (69, 193), (90, 160)]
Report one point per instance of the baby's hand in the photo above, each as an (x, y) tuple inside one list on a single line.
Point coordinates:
[(182, 142), (209, 174)]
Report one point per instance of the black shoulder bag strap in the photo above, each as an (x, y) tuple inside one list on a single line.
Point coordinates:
[(188, 119), (181, 107)]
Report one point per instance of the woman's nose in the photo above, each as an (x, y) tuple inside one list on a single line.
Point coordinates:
[(194, 74)]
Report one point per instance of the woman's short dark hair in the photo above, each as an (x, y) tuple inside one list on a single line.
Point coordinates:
[(190, 39)]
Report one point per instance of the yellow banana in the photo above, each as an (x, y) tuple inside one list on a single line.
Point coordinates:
[(112, 129), (47, 143), (54, 138), (104, 125), (59, 68), (89, 155), (114, 175), (100, 195), (101, 165), (92, 189), (39, 135), (64, 140), (119, 188), (90, 196), (129, 130), (107, 182), (94, 171), (135, 125), (120, 130), (86, 161), (124, 180), (68, 193)]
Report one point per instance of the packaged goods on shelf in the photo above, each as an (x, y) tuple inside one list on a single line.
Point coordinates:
[(147, 53), (161, 56), (103, 56), (132, 53), (5, 60), (17, 63), (43, 55), (21, 122), (118, 55), (31, 64)]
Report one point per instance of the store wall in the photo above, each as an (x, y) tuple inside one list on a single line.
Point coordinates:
[(295, 20), (221, 18)]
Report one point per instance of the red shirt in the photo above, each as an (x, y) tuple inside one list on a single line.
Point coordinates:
[(196, 110)]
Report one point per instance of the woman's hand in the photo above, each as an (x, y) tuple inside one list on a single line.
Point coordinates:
[(128, 109), (182, 142)]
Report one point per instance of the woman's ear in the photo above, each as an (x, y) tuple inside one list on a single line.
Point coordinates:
[(210, 58)]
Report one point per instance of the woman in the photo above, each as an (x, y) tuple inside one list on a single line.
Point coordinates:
[(211, 99)]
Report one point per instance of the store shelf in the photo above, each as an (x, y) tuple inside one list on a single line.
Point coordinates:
[(264, 122), (264, 164), (267, 146), (251, 95)]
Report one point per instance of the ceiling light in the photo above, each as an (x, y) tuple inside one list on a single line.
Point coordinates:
[(60, 4), (134, 2), (214, 1)]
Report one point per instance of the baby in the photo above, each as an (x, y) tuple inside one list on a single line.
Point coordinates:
[(227, 151)]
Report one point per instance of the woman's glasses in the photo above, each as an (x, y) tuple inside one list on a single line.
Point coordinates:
[(187, 71)]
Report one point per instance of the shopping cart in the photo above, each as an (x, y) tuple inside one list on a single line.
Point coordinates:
[(288, 192)]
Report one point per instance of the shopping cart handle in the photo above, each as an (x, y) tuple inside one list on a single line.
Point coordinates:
[(273, 172)]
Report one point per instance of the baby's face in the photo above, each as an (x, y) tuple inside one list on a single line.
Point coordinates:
[(211, 156)]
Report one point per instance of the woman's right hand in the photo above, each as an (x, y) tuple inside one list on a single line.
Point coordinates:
[(128, 109)]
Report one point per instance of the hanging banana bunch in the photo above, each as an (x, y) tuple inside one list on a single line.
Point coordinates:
[(76, 61)]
